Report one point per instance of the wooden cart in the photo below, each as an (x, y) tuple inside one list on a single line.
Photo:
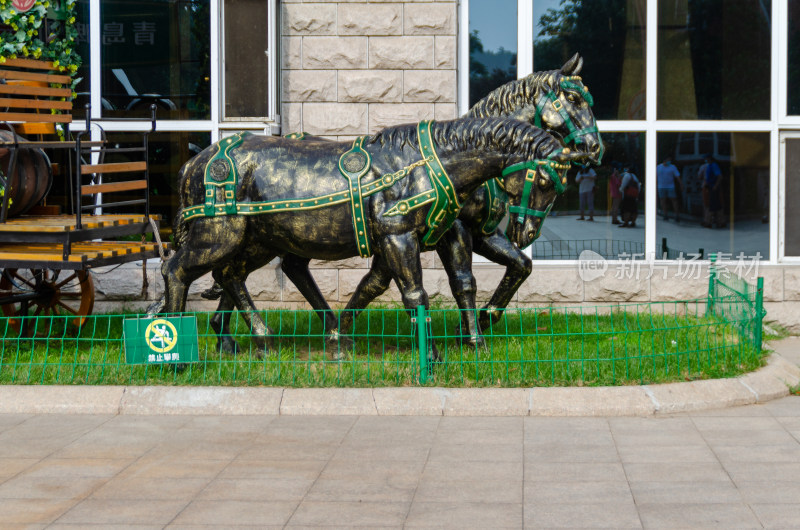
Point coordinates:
[(46, 256)]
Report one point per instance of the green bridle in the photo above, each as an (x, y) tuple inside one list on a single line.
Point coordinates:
[(532, 168), (575, 134)]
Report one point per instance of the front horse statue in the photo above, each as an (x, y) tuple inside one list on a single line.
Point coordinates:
[(248, 199), (556, 100)]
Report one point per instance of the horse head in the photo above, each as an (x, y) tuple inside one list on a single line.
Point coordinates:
[(532, 187), (556, 100)]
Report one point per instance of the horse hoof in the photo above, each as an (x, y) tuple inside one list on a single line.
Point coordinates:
[(227, 346)]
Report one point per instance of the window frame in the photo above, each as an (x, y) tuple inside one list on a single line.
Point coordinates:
[(777, 124), (217, 125)]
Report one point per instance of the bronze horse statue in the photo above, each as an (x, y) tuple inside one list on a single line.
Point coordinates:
[(555, 100), (248, 199)]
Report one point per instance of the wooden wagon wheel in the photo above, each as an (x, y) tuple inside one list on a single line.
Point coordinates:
[(45, 292)]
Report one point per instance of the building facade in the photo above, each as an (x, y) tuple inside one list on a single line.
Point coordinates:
[(670, 78)]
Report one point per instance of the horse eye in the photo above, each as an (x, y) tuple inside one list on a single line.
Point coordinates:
[(543, 181)]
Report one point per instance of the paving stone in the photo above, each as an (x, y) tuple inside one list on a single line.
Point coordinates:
[(548, 472), (445, 452), (696, 492), (33, 511), (256, 489), (581, 515), (56, 487), (450, 514), (123, 512), (151, 488), (443, 471), (724, 515), (777, 515), (474, 490), (73, 467), (221, 513), (278, 469), (676, 471), (355, 513), (605, 492)]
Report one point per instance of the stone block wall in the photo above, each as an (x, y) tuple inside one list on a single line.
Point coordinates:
[(352, 68), (549, 285)]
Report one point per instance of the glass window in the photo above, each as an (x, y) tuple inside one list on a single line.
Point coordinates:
[(156, 52), (82, 47), (792, 222), (715, 199), (793, 49), (168, 152), (246, 59), (588, 223), (492, 46), (714, 59), (610, 35)]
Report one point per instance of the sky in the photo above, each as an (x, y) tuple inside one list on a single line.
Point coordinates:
[(496, 20)]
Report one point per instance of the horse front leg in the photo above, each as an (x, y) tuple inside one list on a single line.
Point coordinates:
[(401, 254), (499, 249), (204, 250), (371, 286), (296, 269), (455, 251), (221, 324)]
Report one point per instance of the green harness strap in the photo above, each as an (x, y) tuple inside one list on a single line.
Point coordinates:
[(353, 165), (493, 210), (221, 172), (445, 206)]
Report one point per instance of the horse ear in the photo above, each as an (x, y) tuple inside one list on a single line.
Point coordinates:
[(573, 66)]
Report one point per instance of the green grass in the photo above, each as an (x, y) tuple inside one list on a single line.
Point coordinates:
[(631, 344)]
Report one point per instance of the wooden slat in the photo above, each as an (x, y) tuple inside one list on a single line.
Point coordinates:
[(114, 186), (35, 118), (66, 223), (16, 103), (116, 167), (36, 64), (34, 128), (14, 75), (27, 90)]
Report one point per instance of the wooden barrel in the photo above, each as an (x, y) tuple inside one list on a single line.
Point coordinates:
[(31, 180)]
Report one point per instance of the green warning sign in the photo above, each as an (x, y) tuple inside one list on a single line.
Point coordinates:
[(160, 340)]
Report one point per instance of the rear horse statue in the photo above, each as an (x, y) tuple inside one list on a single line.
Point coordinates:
[(556, 100), (248, 199)]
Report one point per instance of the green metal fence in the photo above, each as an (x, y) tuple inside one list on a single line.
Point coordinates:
[(570, 249), (717, 336)]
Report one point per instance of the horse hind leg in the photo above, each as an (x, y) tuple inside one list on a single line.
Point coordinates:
[(236, 294), (296, 269)]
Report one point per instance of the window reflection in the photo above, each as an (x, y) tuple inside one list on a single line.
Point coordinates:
[(610, 35), (168, 152), (492, 46), (714, 59), (793, 51), (565, 235), (156, 52), (721, 194)]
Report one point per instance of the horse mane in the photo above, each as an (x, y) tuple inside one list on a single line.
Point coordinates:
[(506, 99), (500, 134)]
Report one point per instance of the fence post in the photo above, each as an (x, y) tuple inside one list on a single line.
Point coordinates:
[(759, 316), (712, 276), (422, 335)]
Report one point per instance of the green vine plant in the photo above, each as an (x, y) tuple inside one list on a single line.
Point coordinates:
[(26, 38)]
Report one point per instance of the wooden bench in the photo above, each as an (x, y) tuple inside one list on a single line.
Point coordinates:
[(35, 98)]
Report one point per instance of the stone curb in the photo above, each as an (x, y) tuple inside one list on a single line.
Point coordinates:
[(770, 382)]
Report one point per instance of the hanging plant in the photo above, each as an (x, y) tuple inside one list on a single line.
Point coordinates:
[(27, 28)]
